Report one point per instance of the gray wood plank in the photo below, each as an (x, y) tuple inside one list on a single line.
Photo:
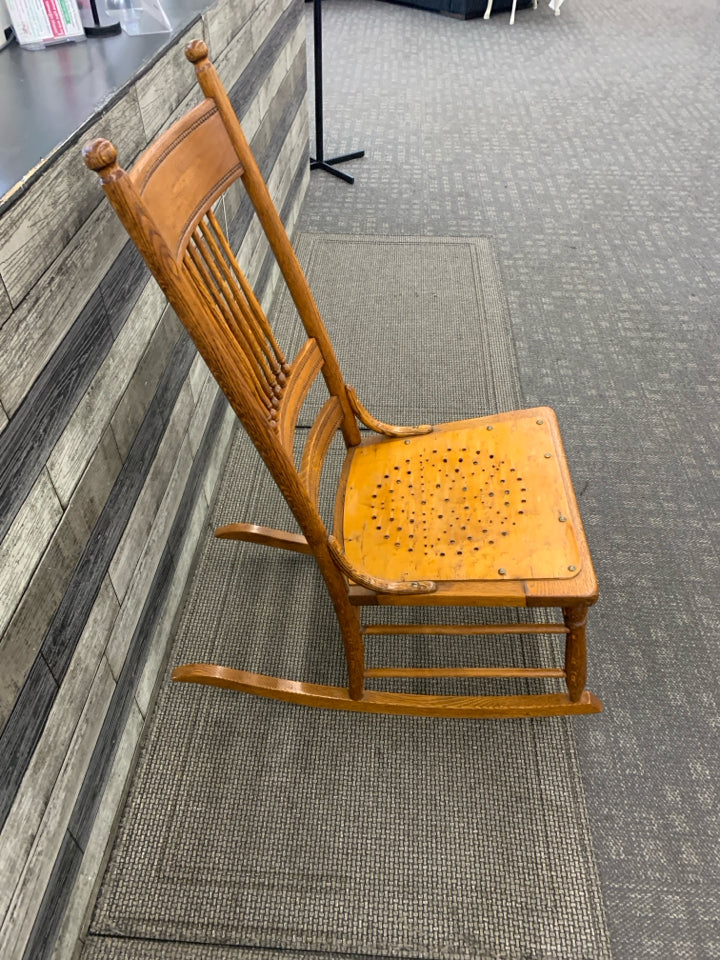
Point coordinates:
[(147, 562), (32, 334), (27, 895), (293, 50), (146, 506), (22, 731), (21, 641), (268, 277), (201, 414), (160, 644), (89, 799), (31, 800), (231, 62), (59, 642), (25, 543), (223, 22), (66, 868), (282, 106), (26, 442), (161, 90), (91, 792), (5, 305), (228, 424), (199, 374), (193, 97), (38, 227), (80, 896), (26, 722), (246, 77), (140, 391), (92, 415), (122, 285), (244, 90)]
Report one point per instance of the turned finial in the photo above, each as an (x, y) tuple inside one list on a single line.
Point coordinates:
[(99, 154), (196, 51)]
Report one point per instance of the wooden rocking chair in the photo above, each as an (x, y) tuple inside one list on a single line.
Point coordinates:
[(475, 513)]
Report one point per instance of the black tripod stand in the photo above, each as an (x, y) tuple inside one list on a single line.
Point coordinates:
[(319, 162)]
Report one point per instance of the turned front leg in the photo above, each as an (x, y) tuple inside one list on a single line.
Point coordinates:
[(575, 650)]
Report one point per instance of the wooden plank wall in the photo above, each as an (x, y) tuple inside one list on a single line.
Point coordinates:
[(112, 435)]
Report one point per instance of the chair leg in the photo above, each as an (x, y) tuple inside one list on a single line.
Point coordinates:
[(350, 627), (488, 10), (512, 13), (575, 650)]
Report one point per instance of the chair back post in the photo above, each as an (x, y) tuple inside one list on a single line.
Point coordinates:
[(197, 53)]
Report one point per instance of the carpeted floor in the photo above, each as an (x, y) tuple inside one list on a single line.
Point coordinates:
[(585, 147), (391, 306), (253, 825)]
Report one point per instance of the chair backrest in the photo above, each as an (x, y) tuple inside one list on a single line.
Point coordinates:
[(166, 204)]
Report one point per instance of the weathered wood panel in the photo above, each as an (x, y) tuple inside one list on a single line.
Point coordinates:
[(67, 866), (27, 897), (83, 815), (271, 134), (91, 416), (32, 334), (34, 794), (215, 457), (159, 643), (163, 88), (199, 374), (122, 285), (70, 924), (244, 90), (25, 543), (44, 221), (24, 635), (141, 583), (140, 391), (140, 523), (231, 62), (60, 641), (27, 441), (5, 305), (201, 414), (224, 24), (105, 406)]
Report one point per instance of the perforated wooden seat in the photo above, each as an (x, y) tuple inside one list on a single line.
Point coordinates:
[(474, 513), (480, 500)]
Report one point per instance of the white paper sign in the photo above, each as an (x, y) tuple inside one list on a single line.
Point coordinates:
[(40, 22)]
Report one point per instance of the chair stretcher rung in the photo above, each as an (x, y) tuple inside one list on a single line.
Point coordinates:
[(449, 630), (464, 672)]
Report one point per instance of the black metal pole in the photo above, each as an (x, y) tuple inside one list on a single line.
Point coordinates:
[(317, 47), (96, 29), (318, 162)]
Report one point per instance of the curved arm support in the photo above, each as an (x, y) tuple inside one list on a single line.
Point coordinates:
[(377, 426), (358, 576)]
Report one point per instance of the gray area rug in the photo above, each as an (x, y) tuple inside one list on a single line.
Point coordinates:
[(420, 324), (255, 826)]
